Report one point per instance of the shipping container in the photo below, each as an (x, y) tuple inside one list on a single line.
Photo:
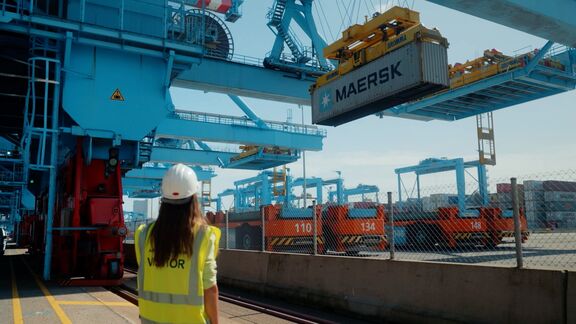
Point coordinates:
[(534, 195), (571, 223), (406, 74), (427, 204), (560, 216), (364, 204), (507, 187), (535, 205), (503, 187), (536, 219), (533, 185), (553, 185), (561, 206), (560, 196)]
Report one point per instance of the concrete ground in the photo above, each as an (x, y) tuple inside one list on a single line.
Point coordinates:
[(24, 298), (542, 250), (231, 313)]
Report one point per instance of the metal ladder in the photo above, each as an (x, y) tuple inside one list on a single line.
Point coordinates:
[(40, 135), (42, 105), (279, 182), (206, 193), (486, 145)]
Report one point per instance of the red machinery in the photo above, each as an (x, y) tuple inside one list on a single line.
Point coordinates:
[(352, 230), (446, 227), (88, 227), (291, 229), (501, 225), (286, 229)]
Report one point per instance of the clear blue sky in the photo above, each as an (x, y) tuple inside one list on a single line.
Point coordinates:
[(531, 138)]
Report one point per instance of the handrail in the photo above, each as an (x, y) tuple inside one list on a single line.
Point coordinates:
[(243, 121)]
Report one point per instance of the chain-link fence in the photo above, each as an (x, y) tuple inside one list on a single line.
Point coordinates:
[(473, 223)]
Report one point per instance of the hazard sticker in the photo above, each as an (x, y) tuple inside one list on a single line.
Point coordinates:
[(117, 95)]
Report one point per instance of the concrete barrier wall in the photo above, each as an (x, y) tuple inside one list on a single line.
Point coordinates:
[(571, 298), (407, 291)]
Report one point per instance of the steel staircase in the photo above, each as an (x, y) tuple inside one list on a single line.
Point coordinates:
[(145, 149), (275, 17), (277, 13)]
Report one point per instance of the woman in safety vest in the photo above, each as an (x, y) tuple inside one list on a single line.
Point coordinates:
[(177, 257)]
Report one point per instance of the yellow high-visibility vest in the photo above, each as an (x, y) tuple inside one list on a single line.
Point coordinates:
[(173, 293)]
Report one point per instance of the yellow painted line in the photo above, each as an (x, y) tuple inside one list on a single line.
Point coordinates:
[(94, 303), (16, 307), (51, 300)]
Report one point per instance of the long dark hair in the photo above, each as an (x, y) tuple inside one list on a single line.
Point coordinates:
[(173, 232)]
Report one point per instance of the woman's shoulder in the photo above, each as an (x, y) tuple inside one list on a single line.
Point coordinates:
[(209, 229), (143, 227)]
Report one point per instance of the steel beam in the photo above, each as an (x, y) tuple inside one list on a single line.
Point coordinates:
[(198, 157), (244, 107), (547, 19), (134, 183), (241, 134), (244, 80), (158, 172)]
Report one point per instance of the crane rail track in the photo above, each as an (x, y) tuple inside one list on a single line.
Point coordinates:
[(128, 293), (131, 295)]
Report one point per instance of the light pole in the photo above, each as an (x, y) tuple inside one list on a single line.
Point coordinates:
[(303, 162)]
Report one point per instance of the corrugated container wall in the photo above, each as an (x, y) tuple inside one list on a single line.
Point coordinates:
[(554, 185), (406, 74), (533, 185)]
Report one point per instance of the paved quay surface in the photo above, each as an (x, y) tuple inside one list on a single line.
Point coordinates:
[(542, 250), (232, 313), (25, 298)]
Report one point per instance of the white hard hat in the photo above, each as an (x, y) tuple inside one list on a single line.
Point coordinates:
[(179, 184)]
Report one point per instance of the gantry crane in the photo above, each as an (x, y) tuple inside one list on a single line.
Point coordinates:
[(85, 86)]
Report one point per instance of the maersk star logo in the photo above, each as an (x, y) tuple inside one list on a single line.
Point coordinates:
[(326, 101)]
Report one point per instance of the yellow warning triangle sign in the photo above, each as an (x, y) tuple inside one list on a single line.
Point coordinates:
[(117, 95)]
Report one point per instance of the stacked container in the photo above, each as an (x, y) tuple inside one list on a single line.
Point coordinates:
[(560, 203), (436, 201), (503, 196), (534, 204)]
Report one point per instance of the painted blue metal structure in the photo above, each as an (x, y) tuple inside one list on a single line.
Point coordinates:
[(434, 165), (146, 182), (552, 20), (251, 193), (313, 182), (533, 80), (101, 71), (361, 190), (302, 59)]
